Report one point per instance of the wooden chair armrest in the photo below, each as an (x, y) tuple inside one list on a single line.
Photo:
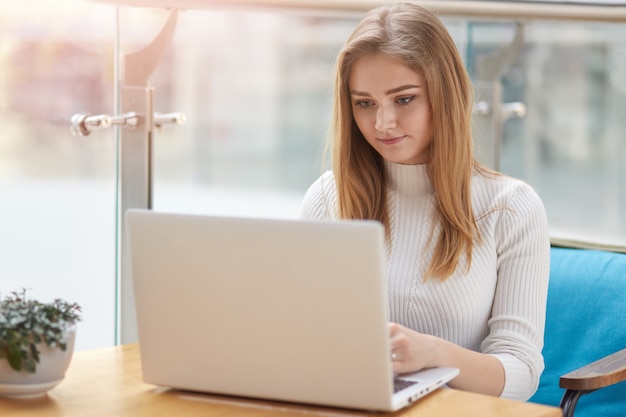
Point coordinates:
[(604, 372)]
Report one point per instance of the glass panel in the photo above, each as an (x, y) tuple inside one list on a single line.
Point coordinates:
[(257, 87), (257, 90), (571, 145), (57, 192)]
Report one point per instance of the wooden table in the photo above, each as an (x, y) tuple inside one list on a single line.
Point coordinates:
[(108, 382)]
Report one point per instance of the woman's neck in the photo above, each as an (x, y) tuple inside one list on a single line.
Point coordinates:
[(408, 179)]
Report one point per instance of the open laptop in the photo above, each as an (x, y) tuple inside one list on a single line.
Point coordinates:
[(270, 309)]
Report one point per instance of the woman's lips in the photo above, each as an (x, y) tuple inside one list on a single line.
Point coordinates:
[(391, 141)]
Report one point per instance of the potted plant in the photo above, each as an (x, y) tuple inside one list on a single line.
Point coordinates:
[(36, 343)]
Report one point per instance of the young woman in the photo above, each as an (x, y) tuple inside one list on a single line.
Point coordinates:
[(468, 248)]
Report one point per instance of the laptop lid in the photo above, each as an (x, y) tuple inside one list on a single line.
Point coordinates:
[(264, 308)]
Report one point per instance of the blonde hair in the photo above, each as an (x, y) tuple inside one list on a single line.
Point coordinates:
[(413, 35)]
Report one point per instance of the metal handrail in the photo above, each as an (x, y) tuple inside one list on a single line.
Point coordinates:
[(517, 10)]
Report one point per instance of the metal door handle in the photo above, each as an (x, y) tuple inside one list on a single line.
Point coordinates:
[(83, 125), (507, 111), (176, 118)]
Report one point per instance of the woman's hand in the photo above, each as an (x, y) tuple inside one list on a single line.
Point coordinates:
[(410, 350)]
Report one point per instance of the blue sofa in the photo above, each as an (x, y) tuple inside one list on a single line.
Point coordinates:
[(586, 320)]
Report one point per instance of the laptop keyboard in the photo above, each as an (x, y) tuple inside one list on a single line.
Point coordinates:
[(400, 384)]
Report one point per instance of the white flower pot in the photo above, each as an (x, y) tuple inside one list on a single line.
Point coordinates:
[(49, 371)]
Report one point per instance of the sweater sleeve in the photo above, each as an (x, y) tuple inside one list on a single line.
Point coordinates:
[(320, 199), (518, 314)]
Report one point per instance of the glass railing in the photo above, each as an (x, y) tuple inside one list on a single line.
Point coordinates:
[(255, 80), (57, 192)]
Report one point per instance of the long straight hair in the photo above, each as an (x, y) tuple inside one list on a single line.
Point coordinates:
[(415, 36)]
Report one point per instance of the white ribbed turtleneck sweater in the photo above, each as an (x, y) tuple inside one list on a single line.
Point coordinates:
[(496, 308)]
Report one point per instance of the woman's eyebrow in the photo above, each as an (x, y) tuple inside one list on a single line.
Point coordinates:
[(392, 91), (401, 88)]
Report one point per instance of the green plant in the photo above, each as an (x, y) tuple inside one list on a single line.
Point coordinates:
[(24, 323)]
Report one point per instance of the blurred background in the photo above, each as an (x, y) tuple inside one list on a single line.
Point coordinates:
[(256, 87)]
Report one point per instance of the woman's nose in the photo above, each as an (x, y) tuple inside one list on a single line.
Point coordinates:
[(385, 119)]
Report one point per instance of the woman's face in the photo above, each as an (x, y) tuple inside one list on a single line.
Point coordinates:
[(391, 108)]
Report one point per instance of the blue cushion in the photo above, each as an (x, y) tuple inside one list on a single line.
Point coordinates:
[(586, 320)]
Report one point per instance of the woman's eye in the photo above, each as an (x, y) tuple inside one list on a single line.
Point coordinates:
[(405, 100), (363, 103)]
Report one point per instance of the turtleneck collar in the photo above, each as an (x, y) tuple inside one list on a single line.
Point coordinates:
[(408, 179)]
